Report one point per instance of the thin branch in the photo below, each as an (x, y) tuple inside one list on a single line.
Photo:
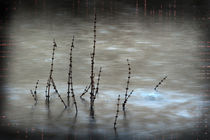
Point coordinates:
[(73, 96), (128, 81), (85, 90), (160, 83), (51, 71), (35, 93), (97, 87), (127, 87), (125, 101), (92, 68), (53, 83), (117, 112), (70, 81), (70, 85)]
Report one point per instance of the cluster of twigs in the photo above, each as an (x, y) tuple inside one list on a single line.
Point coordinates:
[(127, 86), (50, 79), (93, 92), (70, 81), (160, 83), (126, 95)]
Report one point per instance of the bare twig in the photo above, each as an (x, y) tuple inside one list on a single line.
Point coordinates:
[(92, 68), (70, 81), (46, 90), (35, 93), (160, 83), (70, 70), (51, 71), (85, 90), (125, 101), (127, 86), (117, 112), (53, 83), (97, 87), (128, 81), (73, 96)]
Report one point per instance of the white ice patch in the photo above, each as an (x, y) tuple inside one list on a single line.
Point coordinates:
[(131, 50), (143, 42), (104, 31), (112, 48)]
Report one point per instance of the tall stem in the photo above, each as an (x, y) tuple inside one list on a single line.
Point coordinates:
[(92, 68), (70, 71), (51, 71)]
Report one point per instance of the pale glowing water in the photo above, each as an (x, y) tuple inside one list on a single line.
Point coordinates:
[(155, 49)]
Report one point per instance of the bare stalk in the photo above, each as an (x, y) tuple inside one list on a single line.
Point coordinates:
[(125, 101), (85, 90), (35, 93), (70, 81), (117, 112), (160, 83), (97, 87), (51, 71), (70, 71), (54, 86), (46, 89), (127, 87), (92, 68), (128, 81)]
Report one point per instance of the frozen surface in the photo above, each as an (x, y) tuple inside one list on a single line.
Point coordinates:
[(155, 49)]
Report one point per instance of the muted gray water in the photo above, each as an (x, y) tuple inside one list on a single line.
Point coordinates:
[(155, 49)]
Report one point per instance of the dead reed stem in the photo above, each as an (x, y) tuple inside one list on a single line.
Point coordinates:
[(97, 87), (85, 90), (51, 71), (92, 68), (117, 112), (46, 90), (35, 93), (74, 99), (70, 81), (125, 101), (127, 86), (128, 81), (53, 83), (160, 83)]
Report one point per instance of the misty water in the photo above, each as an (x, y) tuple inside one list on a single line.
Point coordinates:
[(156, 47)]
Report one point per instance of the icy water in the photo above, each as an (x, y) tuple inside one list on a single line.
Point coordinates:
[(156, 47)]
